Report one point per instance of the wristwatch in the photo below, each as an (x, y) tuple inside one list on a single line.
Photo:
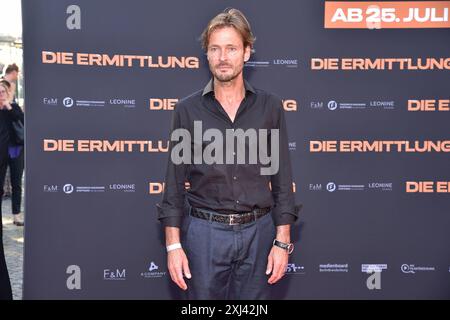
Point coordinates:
[(289, 247)]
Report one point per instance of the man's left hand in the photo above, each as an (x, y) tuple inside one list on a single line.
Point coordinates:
[(277, 264)]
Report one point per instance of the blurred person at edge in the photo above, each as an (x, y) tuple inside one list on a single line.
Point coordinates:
[(7, 114), (11, 75), (15, 163)]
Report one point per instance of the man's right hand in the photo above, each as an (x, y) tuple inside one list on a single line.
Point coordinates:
[(178, 265)]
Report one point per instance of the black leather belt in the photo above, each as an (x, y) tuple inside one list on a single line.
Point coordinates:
[(229, 219)]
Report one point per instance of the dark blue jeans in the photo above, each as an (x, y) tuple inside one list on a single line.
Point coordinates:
[(228, 262), (16, 172)]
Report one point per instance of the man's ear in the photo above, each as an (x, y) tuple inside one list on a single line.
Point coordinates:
[(247, 53)]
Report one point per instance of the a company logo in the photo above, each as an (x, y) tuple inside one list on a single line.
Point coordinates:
[(68, 102), (153, 267), (153, 271)]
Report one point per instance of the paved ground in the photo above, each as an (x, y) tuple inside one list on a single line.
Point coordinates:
[(13, 244)]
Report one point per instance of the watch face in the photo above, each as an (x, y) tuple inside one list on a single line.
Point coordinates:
[(290, 248)]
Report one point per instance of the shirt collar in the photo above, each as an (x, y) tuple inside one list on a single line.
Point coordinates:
[(210, 87)]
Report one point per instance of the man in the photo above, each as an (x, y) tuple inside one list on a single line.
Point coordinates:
[(7, 113), (226, 249), (15, 163), (11, 75)]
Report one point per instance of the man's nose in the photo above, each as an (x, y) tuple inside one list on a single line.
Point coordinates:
[(223, 55)]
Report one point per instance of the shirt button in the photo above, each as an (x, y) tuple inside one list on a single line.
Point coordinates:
[(237, 201), (234, 177), (234, 153)]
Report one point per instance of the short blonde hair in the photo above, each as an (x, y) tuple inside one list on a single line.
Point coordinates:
[(230, 17)]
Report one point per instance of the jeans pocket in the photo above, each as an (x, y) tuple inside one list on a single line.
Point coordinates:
[(186, 226)]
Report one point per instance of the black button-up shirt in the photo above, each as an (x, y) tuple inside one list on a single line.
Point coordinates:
[(229, 188)]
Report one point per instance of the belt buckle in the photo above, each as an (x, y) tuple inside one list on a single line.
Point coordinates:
[(232, 223)]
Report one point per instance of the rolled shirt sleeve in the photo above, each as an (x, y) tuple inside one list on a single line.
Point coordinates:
[(170, 210), (284, 211)]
